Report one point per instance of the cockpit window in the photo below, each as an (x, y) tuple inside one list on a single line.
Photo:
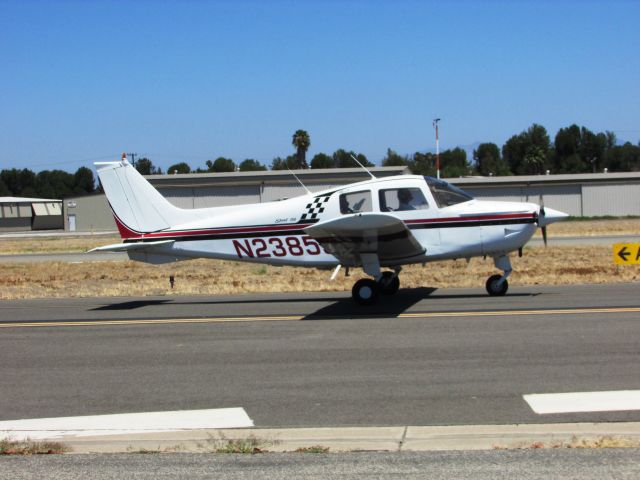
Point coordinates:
[(355, 202), (446, 194), (398, 199)]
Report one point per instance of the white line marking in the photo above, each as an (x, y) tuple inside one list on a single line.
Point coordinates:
[(126, 423), (574, 402)]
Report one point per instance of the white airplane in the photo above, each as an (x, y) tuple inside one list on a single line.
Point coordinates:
[(374, 224)]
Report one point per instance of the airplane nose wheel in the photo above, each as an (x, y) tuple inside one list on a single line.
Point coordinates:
[(495, 287), (389, 283), (365, 291)]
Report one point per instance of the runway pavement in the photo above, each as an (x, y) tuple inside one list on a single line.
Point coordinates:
[(424, 357)]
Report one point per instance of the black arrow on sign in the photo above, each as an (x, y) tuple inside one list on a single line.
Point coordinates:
[(623, 254)]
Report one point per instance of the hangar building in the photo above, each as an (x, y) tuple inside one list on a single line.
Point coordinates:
[(583, 195), (23, 214)]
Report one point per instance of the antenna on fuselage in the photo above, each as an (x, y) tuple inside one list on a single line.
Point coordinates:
[(363, 167), (299, 181)]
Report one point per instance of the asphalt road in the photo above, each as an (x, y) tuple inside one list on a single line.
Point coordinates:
[(425, 357)]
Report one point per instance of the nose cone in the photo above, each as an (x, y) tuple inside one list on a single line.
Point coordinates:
[(549, 215)]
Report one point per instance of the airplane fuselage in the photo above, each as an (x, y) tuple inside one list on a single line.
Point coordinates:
[(274, 232)]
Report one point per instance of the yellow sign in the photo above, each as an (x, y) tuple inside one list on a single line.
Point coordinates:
[(626, 253)]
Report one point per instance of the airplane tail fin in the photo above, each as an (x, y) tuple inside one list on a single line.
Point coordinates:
[(137, 206)]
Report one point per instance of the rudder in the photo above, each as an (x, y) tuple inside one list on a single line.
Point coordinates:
[(137, 206)]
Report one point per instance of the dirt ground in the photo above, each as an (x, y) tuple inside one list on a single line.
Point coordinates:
[(553, 266)]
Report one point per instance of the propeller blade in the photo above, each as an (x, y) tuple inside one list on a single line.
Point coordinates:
[(544, 235)]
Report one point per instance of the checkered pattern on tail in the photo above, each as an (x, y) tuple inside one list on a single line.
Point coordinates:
[(315, 208)]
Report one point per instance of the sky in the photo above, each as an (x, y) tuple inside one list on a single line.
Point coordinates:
[(83, 81)]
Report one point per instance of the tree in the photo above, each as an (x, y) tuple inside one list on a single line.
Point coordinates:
[(516, 148), (611, 139), (393, 159), (344, 159), (21, 183), (55, 184), (181, 167), (592, 149), (278, 163), (579, 150), (84, 181), (488, 160), (623, 158), (423, 164), (454, 163), (566, 157), (4, 190), (251, 165), (221, 164), (534, 160), (146, 167), (322, 160), (302, 142)]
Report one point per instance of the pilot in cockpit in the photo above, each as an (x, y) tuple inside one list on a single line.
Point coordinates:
[(404, 198)]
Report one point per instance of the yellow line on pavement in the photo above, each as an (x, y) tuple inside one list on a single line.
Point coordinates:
[(511, 313), (160, 321), (289, 318)]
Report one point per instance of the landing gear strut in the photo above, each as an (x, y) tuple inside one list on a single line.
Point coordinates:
[(497, 285), (389, 283)]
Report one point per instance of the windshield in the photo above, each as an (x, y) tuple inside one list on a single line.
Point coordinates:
[(446, 194)]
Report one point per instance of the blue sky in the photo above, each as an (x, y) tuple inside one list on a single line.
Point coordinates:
[(194, 80)]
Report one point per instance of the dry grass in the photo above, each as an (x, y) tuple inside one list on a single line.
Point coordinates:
[(554, 266), (30, 447), (590, 228), (13, 246)]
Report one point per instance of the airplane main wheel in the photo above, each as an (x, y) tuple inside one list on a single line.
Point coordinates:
[(495, 288), (365, 291), (389, 283)]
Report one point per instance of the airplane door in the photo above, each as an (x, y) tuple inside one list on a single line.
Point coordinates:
[(411, 205), (72, 223)]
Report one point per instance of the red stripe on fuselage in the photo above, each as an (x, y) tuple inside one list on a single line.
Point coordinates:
[(474, 218), (129, 234)]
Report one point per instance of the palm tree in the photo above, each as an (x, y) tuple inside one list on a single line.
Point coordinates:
[(301, 141)]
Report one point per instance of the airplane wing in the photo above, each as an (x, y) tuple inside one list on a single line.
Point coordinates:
[(350, 236)]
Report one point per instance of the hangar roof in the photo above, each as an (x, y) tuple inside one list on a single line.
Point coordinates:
[(583, 178), (26, 200), (320, 175)]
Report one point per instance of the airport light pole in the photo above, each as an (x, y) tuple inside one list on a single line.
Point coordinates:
[(435, 125)]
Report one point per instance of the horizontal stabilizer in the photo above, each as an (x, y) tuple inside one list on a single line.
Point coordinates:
[(128, 247)]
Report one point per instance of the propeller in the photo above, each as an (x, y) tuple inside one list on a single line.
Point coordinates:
[(541, 220)]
